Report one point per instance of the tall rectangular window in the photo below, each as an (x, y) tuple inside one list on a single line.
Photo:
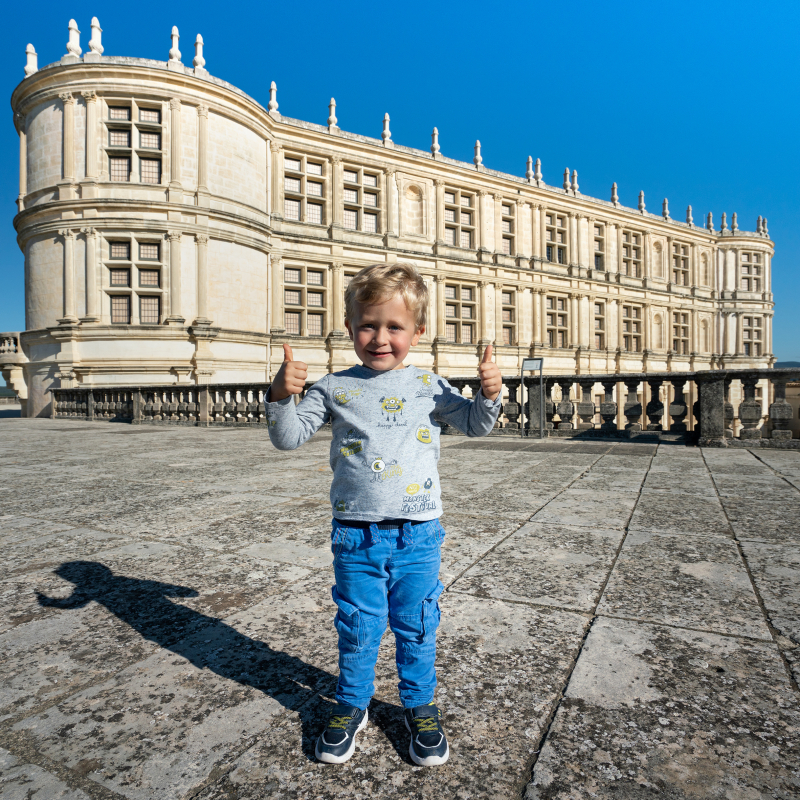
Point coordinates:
[(361, 200), (508, 228), (304, 186), (120, 310), (752, 275), (557, 322), (632, 329), (135, 264), (600, 326), (599, 246), (680, 332), (151, 170), (149, 310), (556, 237), (119, 169), (459, 218), (680, 264), (304, 300), (632, 254), (460, 312), (509, 313), (752, 336)]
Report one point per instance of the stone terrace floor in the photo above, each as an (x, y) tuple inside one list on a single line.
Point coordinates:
[(620, 621)]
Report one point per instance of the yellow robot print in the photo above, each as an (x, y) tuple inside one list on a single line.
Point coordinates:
[(342, 396), (424, 434), (392, 407)]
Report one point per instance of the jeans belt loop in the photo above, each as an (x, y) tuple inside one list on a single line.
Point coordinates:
[(374, 536), (408, 539)]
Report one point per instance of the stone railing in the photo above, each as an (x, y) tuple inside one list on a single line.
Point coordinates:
[(10, 349), (655, 404)]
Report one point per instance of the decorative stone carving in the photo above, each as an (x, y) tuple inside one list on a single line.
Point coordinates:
[(387, 134), (689, 219), (665, 209), (585, 407), (575, 181), (678, 408), (566, 180), (174, 52), (331, 113), (614, 195), (608, 408), (74, 43), (272, 106), (710, 221), (477, 159), (642, 206), (198, 61), (565, 408), (750, 410), (32, 61), (537, 175), (529, 169), (435, 142), (632, 408)]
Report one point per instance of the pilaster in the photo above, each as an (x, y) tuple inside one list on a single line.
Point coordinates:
[(89, 184), (66, 186), (175, 317), (92, 294), (69, 317)]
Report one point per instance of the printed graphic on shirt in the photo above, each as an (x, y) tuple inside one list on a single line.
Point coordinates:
[(426, 388), (351, 443), (418, 498), (345, 506), (392, 407), (384, 470), (342, 396), (424, 434)]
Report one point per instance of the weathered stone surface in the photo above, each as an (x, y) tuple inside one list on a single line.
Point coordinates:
[(761, 520), (691, 514), (20, 781), (587, 507), (662, 712)]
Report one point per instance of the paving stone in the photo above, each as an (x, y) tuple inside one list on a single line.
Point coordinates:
[(556, 565), (695, 515), (771, 487), (19, 781), (762, 520), (600, 480), (661, 712), (695, 582), (587, 507), (675, 482)]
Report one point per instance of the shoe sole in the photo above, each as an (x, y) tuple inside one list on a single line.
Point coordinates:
[(430, 761), (329, 758)]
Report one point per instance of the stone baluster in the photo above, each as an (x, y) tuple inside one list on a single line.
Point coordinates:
[(655, 408), (585, 407), (241, 406), (157, 406), (750, 409), (632, 408), (512, 407), (780, 411), (218, 406), (183, 410), (549, 405), (608, 408), (728, 414), (678, 408), (566, 408), (230, 405)]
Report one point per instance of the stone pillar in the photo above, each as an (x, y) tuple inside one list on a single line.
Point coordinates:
[(542, 232), (750, 409), (203, 195), (277, 297), (646, 255), (565, 408), (90, 97), (337, 292), (69, 317), (480, 237), (202, 280), (439, 210), (694, 267), (175, 187), (655, 408), (337, 191), (19, 122), (441, 331), (277, 181), (175, 317), (579, 240), (573, 319), (780, 411), (678, 408), (585, 407), (485, 333), (737, 321), (608, 408), (92, 294), (543, 316), (536, 232), (646, 324), (632, 408), (712, 412), (498, 223), (537, 312), (392, 223), (66, 185)]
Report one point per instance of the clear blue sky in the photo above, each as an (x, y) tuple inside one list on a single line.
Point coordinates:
[(694, 101)]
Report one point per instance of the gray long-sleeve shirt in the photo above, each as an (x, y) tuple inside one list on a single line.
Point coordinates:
[(385, 447)]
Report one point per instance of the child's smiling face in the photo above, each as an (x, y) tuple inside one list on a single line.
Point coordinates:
[(384, 333)]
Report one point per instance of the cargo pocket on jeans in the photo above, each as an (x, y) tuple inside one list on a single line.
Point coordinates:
[(348, 624), (431, 614)]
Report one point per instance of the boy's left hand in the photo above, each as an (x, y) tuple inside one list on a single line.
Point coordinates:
[(491, 381)]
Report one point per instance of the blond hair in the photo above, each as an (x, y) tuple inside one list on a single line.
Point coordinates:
[(381, 282)]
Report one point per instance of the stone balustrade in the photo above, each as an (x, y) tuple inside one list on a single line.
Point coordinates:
[(9, 347), (632, 405)]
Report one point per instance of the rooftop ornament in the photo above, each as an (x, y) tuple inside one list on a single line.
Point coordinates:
[(95, 43), (199, 62), (272, 106), (642, 206), (724, 224), (734, 223), (477, 158), (435, 149), (32, 64), (575, 181), (537, 175), (174, 53), (331, 116), (529, 170), (614, 195), (710, 221), (565, 182), (689, 219), (665, 209), (387, 134), (766, 231), (760, 225), (74, 51)]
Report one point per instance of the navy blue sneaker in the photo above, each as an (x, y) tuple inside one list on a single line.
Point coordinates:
[(428, 746), (338, 741)]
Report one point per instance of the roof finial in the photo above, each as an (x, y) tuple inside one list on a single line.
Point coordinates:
[(96, 42), (33, 61), (199, 62), (477, 158), (435, 149), (724, 224), (710, 221), (665, 209), (689, 219), (565, 184), (642, 206), (759, 225), (174, 62), (614, 194), (766, 230), (331, 115), (273, 97), (734, 223), (575, 181), (73, 45), (529, 169), (387, 134), (537, 174)]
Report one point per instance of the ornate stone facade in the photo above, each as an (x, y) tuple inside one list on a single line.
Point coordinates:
[(176, 230)]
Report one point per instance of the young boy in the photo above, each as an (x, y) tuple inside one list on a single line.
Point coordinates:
[(386, 497)]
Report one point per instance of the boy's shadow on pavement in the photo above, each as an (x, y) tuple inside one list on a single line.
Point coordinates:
[(209, 643)]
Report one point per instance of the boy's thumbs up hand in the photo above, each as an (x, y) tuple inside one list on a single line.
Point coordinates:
[(491, 380), (291, 377)]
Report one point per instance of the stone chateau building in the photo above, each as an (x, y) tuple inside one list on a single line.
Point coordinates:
[(175, 230)]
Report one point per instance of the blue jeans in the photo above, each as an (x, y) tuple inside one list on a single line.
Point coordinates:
[(380, 575)]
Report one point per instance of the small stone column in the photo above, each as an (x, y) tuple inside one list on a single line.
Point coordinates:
[(277, 327), (337, 290), (175, 317), (632, 408), (542, 232), (750, 409), (678, 408), (780, 411), (277, 181), (202, 280), (66, 185), (585, 407), (439, 210), (565, 408), (69, 317), (90, 96), (543, 316), (480, 213), (19, 122), (608, 408), (175, 187), (92, 295), (737, 321), (655, 408), (203, 195)]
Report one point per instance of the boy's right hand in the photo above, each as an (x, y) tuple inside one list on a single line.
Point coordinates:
[(291, 377)]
